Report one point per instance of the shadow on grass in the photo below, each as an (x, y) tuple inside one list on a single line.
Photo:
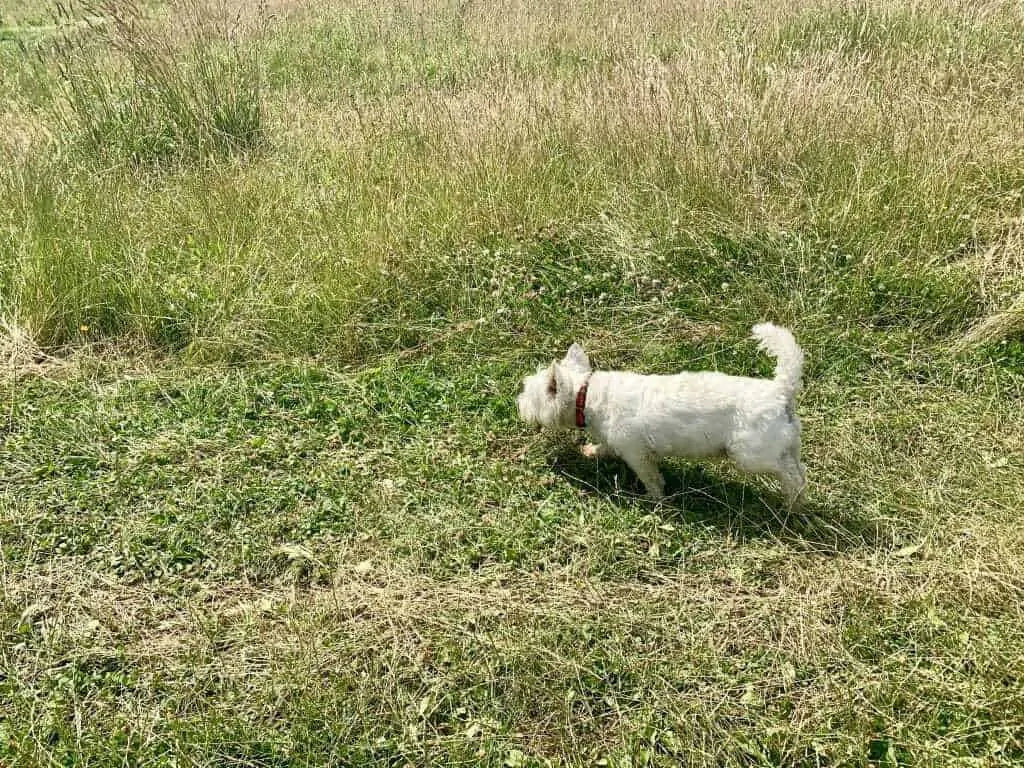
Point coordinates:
[(703, 495)]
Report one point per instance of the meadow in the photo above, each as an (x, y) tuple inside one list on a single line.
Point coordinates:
[(270, 275)]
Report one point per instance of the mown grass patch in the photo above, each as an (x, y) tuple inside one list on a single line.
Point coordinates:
[(264, 496)]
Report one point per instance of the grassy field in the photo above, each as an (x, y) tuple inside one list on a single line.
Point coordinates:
[(269, 278)]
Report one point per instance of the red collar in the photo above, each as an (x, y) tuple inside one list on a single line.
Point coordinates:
[(581, 404)]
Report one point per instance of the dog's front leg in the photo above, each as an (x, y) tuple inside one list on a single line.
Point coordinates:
[(597, 451), (646, 468)]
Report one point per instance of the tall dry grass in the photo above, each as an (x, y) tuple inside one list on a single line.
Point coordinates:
[(887, 131)]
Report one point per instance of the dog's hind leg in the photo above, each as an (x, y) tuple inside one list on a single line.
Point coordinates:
[(787, 468), (792, 477)]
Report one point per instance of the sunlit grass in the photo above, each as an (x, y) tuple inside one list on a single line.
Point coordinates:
[(263, 495)]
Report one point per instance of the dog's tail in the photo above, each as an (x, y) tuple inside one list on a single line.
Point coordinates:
[(779, 343)]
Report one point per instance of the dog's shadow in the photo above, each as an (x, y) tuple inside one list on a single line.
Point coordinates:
[(699, 495)]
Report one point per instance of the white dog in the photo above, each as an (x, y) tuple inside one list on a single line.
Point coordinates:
[(643, 418)]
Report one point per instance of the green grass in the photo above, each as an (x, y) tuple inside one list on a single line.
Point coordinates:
[(128, 90), (264, 497)]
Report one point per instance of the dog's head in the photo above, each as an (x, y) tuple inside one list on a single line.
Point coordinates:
[(548, 397)]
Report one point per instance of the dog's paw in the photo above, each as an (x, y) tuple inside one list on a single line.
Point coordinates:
[(656, 491)]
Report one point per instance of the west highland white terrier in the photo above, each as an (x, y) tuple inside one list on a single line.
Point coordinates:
[(702, 414)]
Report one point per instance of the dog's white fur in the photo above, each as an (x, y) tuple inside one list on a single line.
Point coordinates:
[(698, 415)]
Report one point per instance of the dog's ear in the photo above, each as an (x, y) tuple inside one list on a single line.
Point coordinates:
[(561, 380), (577, 358)]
